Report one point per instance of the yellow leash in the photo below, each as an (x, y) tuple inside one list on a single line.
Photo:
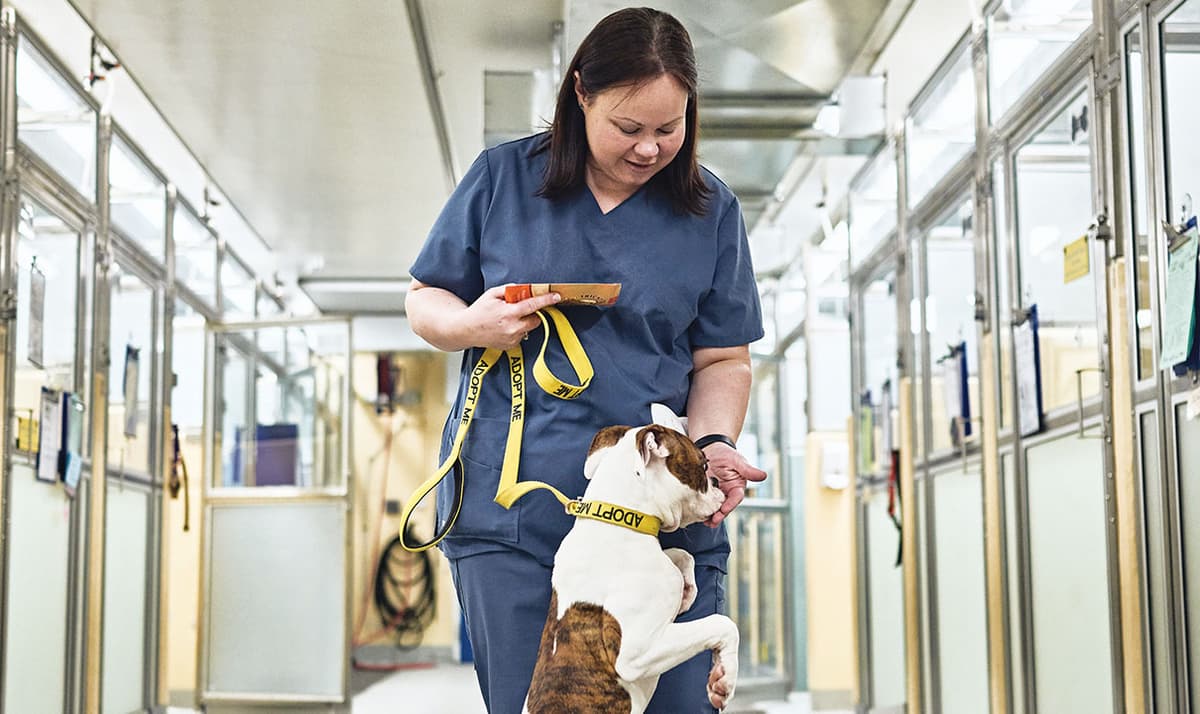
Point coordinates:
[(509, 489)]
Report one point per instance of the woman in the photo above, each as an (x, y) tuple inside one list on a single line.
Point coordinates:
[(612, 193)]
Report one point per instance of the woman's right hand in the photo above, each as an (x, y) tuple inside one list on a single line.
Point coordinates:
[(490, 321)]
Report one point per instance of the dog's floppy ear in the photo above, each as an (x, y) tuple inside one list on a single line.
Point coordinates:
[(604, 438), (651, 443)]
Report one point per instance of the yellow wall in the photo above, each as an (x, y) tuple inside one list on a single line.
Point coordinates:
[(829, 571), (416, 434), (181, 585)]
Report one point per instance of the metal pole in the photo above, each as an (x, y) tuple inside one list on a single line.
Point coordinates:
[(429, 77), (1175, 667), (159, 694), (94, 642), (1106, 98), (347, 468), (914, 625), (9, 211)]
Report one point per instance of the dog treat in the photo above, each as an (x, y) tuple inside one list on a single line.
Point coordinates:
[(599, 294)]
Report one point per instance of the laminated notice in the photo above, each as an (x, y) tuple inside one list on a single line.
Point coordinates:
[(599, 294)]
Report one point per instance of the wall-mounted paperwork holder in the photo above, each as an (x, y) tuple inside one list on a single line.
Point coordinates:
[(37, 315), (49, 435), (129, 388), (956, 392), (70, 465), (60, 438), (886, 438), (1180, 348), (865, 438), (1028, 370)]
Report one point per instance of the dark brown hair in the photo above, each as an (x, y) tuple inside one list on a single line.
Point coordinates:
[(627, 48)]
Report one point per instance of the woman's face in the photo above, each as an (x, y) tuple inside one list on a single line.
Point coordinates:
[(633, 132)]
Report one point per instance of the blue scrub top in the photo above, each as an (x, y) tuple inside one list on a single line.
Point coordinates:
[(686, 282)]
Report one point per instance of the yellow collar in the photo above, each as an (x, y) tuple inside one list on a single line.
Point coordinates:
[(616, 515)]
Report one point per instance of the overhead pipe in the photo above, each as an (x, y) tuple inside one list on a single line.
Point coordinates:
[(805, 161), (416, 23)]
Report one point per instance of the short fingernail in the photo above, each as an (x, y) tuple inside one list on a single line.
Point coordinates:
[(557, 297)]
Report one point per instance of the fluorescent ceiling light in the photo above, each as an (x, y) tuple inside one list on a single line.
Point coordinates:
[(829, 119)]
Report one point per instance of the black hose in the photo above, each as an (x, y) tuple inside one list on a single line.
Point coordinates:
[(404, 592)]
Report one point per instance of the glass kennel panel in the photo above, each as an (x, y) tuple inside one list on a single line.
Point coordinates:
[(1069, 576), (276, 598), (885, 602)]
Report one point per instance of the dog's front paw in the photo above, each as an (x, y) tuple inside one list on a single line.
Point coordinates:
[(720, 684)]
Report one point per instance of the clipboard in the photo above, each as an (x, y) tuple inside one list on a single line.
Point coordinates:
[(955, 392), (129, 388), (49, 436), (1028, 368), (1180, 350), (70, 465), (37, 313), (885, 413), (866, 434)]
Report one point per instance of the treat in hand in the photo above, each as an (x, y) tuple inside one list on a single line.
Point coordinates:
[(598, 294)]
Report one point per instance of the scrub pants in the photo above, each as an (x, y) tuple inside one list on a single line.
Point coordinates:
[(505, 596)]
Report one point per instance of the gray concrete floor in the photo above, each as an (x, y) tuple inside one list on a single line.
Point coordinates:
[(451, 689), (443, 689)]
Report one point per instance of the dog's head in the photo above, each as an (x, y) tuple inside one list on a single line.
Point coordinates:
[(668, 471)]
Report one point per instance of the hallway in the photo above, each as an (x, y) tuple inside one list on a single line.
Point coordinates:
[(953, 284)]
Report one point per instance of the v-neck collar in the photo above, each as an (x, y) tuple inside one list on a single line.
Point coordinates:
[(606, 214)]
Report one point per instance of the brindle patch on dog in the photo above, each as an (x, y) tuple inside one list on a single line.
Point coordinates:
[(685, 462), (606, 437), (576, 667)]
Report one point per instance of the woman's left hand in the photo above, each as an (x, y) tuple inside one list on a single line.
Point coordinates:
[(732, 472)]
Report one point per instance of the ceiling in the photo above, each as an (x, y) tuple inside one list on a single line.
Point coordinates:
[(314, 118)]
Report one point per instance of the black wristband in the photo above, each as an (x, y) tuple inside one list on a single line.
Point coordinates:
[(713, 439)]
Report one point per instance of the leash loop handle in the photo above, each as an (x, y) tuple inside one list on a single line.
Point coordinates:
[(509, 490)]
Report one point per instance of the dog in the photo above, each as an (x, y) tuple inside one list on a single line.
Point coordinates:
[(611, 631)]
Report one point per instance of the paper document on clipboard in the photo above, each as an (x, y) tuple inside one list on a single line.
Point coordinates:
[(50, 436), (1028, 372), (130, 389), (37, 312), (955, 392), (1179, 321)]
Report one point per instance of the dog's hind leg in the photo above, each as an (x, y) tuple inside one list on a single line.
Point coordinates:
[(687, 567)]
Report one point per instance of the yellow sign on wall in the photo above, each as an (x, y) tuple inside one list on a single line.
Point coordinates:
[(1076, 260)]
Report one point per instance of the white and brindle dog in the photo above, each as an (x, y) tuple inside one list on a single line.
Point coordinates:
[(611, 628)]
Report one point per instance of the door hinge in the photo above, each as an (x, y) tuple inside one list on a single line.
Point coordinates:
[(1100, 230)]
